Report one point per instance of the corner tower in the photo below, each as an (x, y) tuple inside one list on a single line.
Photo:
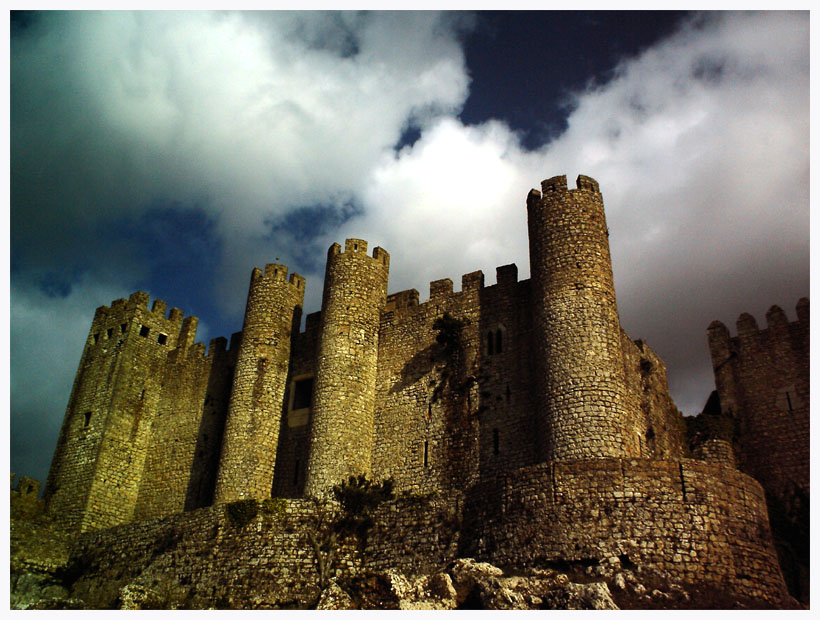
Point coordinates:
[(582, 396), (273, 313), (98, 465), (344, 394)]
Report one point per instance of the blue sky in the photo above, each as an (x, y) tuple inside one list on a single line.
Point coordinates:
[(173, 152)]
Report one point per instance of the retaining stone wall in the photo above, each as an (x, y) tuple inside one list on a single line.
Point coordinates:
[(703, 523)]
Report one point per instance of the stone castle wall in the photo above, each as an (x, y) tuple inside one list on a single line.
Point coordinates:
[(207, 558), (97, 468), (344, 392), (248, 456), (762, 379), (582, 402), (702, 523), (180, 467)]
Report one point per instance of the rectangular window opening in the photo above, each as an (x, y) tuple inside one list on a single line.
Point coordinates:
[(87, 421), (96, 338), (426, 454), (109, 332), (495, 441), (144, 331), (123, 327), (162, 338), (302, 391)]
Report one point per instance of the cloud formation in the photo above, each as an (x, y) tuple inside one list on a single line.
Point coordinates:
[(281, 128)]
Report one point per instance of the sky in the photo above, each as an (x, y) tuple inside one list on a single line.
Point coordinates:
[(173, 152)]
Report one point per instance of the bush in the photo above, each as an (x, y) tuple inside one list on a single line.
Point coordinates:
[(243, 511)]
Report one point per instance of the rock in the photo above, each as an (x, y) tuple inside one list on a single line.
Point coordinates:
[(431, 592), (333, 597), (594, 595)]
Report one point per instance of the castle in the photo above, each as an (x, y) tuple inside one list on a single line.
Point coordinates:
[(525, 400)]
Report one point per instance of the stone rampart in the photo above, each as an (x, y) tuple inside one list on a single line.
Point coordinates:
[(703, 523)]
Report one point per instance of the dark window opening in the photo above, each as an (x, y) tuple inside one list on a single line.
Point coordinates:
[(495, 441), (426, 451), (302, 390), (489, 343), (498, 347), (144, 331), (142, 395), (162, 338), (296, 473), (87, 419), (29, 489), (123, 327), (789, 401), (109, 332), (96, 338)]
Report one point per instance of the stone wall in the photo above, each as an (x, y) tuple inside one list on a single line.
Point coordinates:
[(180, 467), (206, 558), (702, 523), (762, 378), (341, 435), (97, 467), (272, 315), (581, 388)]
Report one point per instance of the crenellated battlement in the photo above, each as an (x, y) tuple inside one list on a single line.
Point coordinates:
[(278, 272), (358, 247), (749, 333), (559, 184)]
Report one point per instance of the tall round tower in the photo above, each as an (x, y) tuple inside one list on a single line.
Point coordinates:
[(251, 434), (582, 390), (344, 394)]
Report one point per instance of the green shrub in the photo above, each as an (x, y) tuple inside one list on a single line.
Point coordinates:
[(275, 506), (243, 511)]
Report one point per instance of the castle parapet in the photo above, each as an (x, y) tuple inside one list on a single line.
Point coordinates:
[(506, 275), (473, 281), (441, 288), (402, 299)]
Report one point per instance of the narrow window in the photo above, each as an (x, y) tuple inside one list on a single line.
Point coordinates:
[(142, 396), (87, 419), (495, 441), (489, 343), (123, 327), (162, 339), (498, 347), (508, 393), (296, 473), (96, 338), (789, 400), (302, 390), (109, 332), (144, 331), (426, 446)]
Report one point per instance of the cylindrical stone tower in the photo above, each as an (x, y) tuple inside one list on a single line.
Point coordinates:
[(251, 434), (344, 394), (582, 394)]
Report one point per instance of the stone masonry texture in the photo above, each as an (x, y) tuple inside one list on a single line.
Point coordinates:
[(518, 421)]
